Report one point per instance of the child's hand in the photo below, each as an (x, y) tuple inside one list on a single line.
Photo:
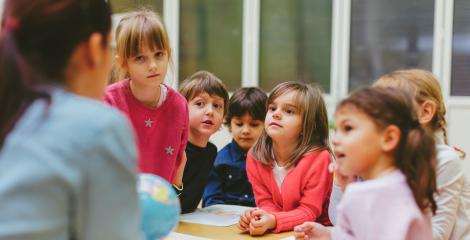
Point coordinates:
[(340, 179), (311, 230), (244, 222), (261, 222)]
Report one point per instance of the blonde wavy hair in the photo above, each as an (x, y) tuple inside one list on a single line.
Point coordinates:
[(422, 85)]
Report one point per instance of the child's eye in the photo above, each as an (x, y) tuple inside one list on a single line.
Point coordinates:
[(272, 108), (200, 104), (139, 59), (347, 128), (254, 124), (290, 111), (239, 124), (159, 54), (218, 106)]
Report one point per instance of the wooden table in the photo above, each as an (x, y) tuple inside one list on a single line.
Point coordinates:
[(224, 233)]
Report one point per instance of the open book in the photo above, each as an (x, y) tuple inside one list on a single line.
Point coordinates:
[(215, 215)]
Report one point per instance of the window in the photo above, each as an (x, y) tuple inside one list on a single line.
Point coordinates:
[(389, 35), (295, 42), (211, 39), (460, 83)]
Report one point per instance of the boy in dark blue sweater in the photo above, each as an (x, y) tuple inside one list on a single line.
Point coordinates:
[(228, 182)]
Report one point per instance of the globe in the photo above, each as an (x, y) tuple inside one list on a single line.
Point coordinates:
[(159, 205)]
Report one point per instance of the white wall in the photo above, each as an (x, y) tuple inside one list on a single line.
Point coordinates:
[(459, 129), (1, 8)]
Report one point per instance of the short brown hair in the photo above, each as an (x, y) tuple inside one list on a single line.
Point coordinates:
[(204, 81), (251, 100)]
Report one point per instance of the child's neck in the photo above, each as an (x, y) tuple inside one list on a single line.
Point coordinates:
[(198, 139), (381, 168), (283, 151), (147, 96)]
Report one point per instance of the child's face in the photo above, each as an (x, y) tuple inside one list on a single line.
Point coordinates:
[(245, 130), (205, 114), (284, 120), (149, 67), (356, 142)]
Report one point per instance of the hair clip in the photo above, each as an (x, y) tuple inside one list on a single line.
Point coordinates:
[(11, 24)]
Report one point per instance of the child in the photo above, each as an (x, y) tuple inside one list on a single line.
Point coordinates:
[(158, 113), (378, 138), (207, 100), (67, 161), (288, 165), (228, 182), (452, 219)]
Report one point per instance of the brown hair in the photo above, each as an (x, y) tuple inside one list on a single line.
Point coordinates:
[(204, 81), (423, 85), (315, 130), (37, 39), (415, 154), (251, 100), (136, 30)]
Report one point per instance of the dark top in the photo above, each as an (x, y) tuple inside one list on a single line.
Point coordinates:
[(196, 173), (228, 182)]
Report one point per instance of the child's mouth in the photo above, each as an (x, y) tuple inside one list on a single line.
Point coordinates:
[(208, 122), (153, 75), (339, 155), (275, 124)]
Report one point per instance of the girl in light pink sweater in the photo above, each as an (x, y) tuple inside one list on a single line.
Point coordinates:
[(379, 138)]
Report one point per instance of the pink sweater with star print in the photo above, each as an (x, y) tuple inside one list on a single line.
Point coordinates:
[(304, 194), (162, 132)]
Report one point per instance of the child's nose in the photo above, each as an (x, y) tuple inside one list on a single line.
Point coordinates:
[(335, 140), (153, 64), (209, 109), (246, 130)]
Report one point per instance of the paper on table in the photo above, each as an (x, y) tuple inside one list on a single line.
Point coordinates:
[(289, 238), (180, 236), (216, 215)]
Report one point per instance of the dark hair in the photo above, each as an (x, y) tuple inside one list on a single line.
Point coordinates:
[(415, 155), (315, 129), (204, 81), (251, 100), (37, 39)]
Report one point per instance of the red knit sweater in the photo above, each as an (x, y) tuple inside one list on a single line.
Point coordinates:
[(161, 132), (305, 191)]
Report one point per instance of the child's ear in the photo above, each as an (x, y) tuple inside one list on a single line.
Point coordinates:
[(426, 111), (390, 138), (95, 47), (120, 61)]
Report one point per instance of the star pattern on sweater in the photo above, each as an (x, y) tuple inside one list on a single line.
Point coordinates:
[(148, 122), (169, 150)]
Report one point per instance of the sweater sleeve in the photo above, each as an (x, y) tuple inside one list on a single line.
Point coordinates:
[(335, 199), (315, 191), (116, 212), (213, 193), (263, 195), (108, 99), (184, 138), (449, 187)]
